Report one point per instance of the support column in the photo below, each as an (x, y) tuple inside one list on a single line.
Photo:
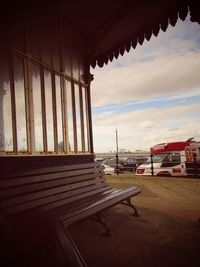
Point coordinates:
[(2, 137), (88, 77)]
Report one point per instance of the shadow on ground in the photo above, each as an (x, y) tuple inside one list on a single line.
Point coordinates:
[(159, 237)]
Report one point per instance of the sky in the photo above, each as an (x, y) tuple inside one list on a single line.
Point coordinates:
[(150, 95)]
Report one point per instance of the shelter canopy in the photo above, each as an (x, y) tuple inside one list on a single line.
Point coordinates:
[(110, 28)]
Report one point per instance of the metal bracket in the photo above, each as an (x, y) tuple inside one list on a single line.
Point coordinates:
[(98, 219), (128, 203)]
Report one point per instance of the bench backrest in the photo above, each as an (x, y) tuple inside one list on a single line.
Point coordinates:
[(47, 188)]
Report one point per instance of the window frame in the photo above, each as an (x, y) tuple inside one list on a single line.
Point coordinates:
[(28, 62)]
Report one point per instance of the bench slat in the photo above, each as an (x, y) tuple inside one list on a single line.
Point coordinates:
[(46, 177), (14, 191), (99, 206), (44, 204), (79, 202), (53, 169), (46, 193)]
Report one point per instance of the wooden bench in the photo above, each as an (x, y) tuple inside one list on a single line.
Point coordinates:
[(37, 207)]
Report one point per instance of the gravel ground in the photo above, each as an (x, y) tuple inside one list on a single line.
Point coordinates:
[(167, 232)]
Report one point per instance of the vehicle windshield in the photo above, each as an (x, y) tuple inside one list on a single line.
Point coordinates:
[(165, 157), (158, 158)]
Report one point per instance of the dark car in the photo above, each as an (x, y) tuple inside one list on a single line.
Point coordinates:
[(119, 169), (131, 164)]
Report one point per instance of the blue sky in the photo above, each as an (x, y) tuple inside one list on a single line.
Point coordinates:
[(151, 94)]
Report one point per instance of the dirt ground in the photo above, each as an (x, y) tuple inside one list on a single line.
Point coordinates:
[(178, 196), (167, 232)]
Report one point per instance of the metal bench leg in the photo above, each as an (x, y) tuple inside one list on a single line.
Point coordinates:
[(69, 253), (128, 202), (107, 230)]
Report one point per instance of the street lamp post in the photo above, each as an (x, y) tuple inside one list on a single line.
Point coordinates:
[(117, 156)]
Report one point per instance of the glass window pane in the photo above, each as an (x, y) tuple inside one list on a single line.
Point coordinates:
[(85, 119), (78, 117), (59, 114), (37, 108), (6, 135), (70, 117), (20, 104), (49, 110)]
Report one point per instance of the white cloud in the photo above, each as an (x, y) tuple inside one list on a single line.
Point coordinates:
[(145, 128), (164, 75), (146, 124), (150, 114), (166, 68)]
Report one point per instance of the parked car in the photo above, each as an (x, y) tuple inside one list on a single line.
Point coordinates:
[(108, 170), (110, 162), (132, 163), (120, 169)]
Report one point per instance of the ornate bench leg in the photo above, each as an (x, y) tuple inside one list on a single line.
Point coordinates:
[(128, 202), (99, 220)]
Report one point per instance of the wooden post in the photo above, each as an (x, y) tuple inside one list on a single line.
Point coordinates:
[(152, 168)]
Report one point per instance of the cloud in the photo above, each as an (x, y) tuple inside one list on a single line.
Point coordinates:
[(149, 114), (151, 94), (164, 75), (165, 65), (147, 127), (146, 124)]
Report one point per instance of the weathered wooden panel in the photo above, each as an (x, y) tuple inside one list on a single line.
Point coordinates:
[(17, 164)]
